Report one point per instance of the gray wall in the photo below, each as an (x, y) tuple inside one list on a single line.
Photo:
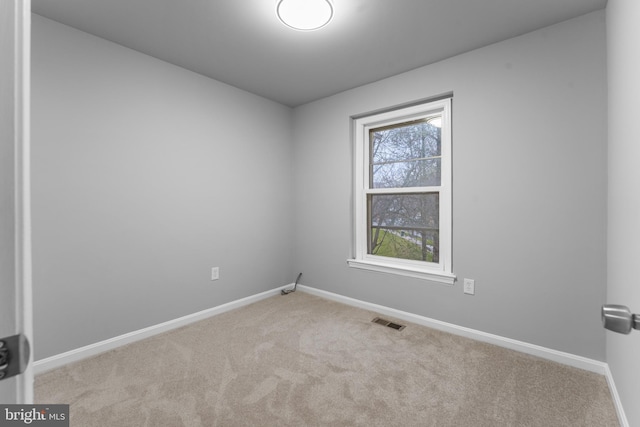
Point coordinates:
[(529, 192), (623, 229), (145, 176)]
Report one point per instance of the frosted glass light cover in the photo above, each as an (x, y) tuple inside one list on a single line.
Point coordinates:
[(305, 15)]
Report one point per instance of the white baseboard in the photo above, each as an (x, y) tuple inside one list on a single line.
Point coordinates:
[(622, 417), (62, 359), (58, 360), (523, 347)]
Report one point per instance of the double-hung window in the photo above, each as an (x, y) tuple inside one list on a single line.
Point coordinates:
[(402, 192)]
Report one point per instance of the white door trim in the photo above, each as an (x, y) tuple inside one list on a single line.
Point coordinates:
[(19, 16)]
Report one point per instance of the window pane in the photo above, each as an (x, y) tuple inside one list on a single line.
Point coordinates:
[(419, 173), (404, 226), (407, 154)]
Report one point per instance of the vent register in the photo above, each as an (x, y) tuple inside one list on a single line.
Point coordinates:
[(389, 324)]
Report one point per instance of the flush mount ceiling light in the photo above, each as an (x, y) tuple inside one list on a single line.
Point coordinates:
[(305, 15)]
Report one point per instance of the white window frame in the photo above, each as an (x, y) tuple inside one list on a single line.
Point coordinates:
[(440, 271)]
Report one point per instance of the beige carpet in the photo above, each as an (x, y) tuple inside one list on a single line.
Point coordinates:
[(300, 360)]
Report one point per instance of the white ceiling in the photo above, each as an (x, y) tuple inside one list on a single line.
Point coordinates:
[(241, 43)]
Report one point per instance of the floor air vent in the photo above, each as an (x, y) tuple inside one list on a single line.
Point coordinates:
[(387, 323)]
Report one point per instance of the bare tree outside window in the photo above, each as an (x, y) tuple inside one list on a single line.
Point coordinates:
[(405, 225)]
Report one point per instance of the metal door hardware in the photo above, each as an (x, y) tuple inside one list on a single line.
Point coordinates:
[(618, 318), (14, 355)]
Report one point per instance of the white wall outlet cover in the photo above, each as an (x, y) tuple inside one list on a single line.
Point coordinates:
[(469, 286)]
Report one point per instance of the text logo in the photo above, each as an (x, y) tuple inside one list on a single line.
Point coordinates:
[(34, 415)]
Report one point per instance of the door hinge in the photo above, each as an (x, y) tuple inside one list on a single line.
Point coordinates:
[(14, 355)]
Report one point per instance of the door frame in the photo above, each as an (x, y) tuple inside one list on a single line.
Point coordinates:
[(18, 17)]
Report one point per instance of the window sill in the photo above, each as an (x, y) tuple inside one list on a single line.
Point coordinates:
[(434, 276)]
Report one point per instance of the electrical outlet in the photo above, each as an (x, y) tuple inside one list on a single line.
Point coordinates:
[(215, 273), (469, 286)]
